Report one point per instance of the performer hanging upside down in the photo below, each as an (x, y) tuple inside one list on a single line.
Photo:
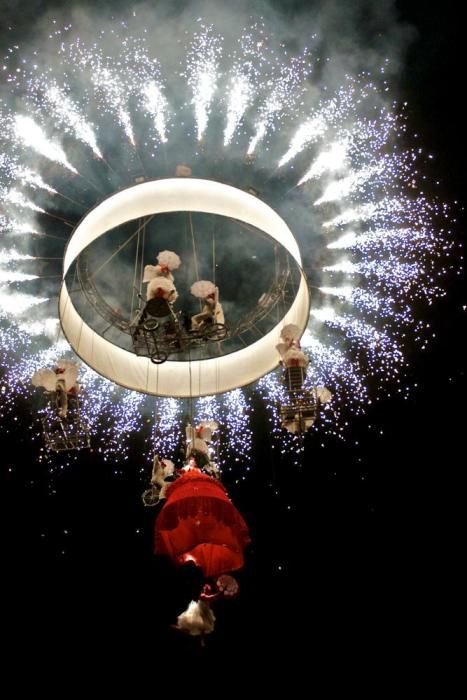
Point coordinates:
[(61, 381), (198, 523), (212, 310), (198, 619)]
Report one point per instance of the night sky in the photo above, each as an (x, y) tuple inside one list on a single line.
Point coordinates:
[(340, 543)]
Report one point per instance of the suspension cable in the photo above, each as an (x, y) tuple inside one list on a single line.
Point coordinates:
[(134, 275), (121, 247), (214, 254), (143, 243), (195, 258)]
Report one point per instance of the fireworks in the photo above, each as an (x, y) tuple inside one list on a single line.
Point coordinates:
[(32, 136), (381, 242)]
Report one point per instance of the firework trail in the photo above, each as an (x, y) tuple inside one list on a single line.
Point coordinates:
[(341, 151)]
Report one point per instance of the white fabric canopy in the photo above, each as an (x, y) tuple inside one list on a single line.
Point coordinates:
[(178, 379)]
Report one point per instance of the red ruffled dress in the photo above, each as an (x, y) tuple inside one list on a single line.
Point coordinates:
[(199, 523)]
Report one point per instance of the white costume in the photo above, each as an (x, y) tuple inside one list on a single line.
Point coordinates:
[(161, 469), (289, 349), (199, 438), (62, 380), (161, 287), (160, 276), (212, 310), (198, 619), (300, 410)]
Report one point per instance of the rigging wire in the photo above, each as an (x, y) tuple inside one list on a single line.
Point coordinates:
[(122, 246), (134, 275), (195, 257)]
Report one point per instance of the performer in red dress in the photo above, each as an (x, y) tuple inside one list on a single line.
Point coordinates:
[(198, 523)]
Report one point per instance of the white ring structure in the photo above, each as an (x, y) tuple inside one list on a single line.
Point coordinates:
[(178, 379)]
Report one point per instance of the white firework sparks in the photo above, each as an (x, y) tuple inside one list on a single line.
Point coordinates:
[(202, 73), (332, 159), (32, 136), (285, 88), (156, 105), (67, 113), (15, 304), (8, 256), (382, 242), (7, 276)]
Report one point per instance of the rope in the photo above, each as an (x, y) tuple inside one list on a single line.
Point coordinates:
[(134, 276), (143, 244), (214, 254), (195, 258), (75, 274), (121, 247), (156, 421), (190, 402), (281, 306)]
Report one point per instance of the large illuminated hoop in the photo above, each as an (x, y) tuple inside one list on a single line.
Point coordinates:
[(178, 379)]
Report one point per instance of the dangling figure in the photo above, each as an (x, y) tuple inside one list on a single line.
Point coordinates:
[(61, 381), (198, 440), (163, 473), (198, 619), (289, 349), (293, 358), (300, 412), (212, 310), (161, 289), (198, 523)]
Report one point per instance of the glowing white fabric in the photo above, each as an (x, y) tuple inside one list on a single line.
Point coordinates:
[(178, 379)]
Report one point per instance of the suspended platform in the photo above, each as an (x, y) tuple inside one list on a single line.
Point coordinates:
[(64, 432), (157, 332)]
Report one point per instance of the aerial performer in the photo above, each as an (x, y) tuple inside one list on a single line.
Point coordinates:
[(198, 445), (199, 524), (163, 472), (300, 411), (61, 382), (212, 311), (161, 280), (166, 262), (292, 355)]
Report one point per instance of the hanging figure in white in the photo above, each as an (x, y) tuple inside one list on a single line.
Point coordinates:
[(198, 450), (60, 381), (293, 358), (212, 311), (163, 473), (300, 412), (160, 279), (167, 261), (289, 349)]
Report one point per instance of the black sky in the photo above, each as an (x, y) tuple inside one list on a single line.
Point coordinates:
[(369, 523)]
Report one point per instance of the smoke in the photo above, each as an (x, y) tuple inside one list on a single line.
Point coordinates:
[(336, 39), (355, 36), (339, 40)]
